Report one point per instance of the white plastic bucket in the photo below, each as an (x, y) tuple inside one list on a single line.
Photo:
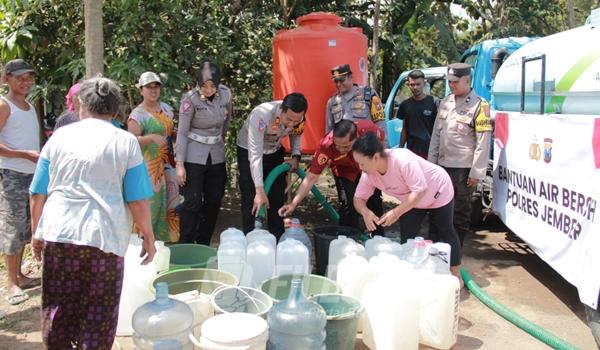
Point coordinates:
[(230, 299), (233, 331)]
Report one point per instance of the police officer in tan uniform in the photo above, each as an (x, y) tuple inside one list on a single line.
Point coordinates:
[(259, 151), (352, 102), (461, 141), (204, 117)]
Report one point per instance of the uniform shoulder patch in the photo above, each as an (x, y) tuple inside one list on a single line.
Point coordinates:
[(377, 113), (322, 159), (185, 106), (261, 125), (483, 123)]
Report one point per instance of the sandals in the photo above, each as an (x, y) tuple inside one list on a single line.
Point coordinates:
[(17, 298)]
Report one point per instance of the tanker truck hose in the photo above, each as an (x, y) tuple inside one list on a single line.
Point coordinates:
[(284, 168), (514, 318)]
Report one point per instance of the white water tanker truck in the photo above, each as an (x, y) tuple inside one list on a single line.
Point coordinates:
[(546, 170)]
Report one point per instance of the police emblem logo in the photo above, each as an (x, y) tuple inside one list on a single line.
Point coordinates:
[(261, 125), (322, 159), (185, 106)]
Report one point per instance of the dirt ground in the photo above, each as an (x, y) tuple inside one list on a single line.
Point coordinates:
[(501, 264)]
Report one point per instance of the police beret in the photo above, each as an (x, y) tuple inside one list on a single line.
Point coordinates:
[(343, 70), (457, 70)]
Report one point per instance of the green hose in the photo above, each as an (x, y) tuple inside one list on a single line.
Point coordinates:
[(514, 318), (284, 168), (511, 316)]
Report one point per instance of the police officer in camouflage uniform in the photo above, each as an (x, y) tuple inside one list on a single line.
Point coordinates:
[(352, 102), (204, 117), (259, 151), (461, 141)]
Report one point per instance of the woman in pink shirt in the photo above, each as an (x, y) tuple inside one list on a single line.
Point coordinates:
[(420, 186)]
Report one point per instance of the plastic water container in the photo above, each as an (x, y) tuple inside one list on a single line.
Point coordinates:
[(296, 322), (292, 258), (354, 273), (444, 249), (136, 281), (372, 245), (435, 262), (417, 253), (230, 299), (261, 235), (235, 331), (438, 320), (163, 324), (232, 234), (296, 231), (260, 263), (337, 248), (231, 257), (392, 309), (392, 247), (162, 257)]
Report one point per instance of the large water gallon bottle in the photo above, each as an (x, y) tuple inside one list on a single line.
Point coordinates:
[(261, 235), (372, 245), (163, 324), (232, 234), (392, 309), (135, 291), (335, 254), (296, 231), (438, 316), (260, 263), (292, 258), (231, 257), (162, 257), (417, 253), (296, 323), (435, 262)]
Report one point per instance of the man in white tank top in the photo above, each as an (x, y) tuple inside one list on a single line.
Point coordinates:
[(19, 152)]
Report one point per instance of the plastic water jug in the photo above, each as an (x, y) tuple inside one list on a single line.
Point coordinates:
[(438, 320), (260, 263), (292, 258), (135, 291), (163, 324), (435, 262), (392, 247), (417, 252), (372, 245), (235, 331), (353, 274), (444, 249), (297, 323), (162, 257), (296, 231), (262, 235), (392, 309), (336, 248), (231, 257), (232, 234)]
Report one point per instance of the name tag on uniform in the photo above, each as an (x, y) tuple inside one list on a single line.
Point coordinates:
[(464, 118), (201, 108)]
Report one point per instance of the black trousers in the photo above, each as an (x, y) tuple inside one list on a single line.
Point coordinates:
[(441, 220), (276, 195), (462, 201), (348, 215), (203, 191)]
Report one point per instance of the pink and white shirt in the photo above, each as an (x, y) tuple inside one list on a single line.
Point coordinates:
[(406, 173)]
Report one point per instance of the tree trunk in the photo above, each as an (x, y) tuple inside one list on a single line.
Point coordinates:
[(571, 13), (94, 38), (373, 77)]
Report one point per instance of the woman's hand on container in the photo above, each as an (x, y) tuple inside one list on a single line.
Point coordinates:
[(370, 220), (148, 248), (37, 245), (181, 175), (389, 218), (286, 210)]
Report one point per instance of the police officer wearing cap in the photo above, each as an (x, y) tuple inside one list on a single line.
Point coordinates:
[(204, 116), (335, 151), (461, 141), (352, 102), (259, 151)]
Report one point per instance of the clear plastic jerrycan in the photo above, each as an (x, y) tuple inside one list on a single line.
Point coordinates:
[(232, 234), (416, 252), (392, 309), (296, 323), (292, 258), (296, 231), (231, 257), (438, 316), (163, 324), (162, 257), (372, 245), (260, 263), (336, 248), (261, 235), (435, 262)]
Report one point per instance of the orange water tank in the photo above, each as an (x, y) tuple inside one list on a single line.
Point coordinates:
[(302, 62)]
